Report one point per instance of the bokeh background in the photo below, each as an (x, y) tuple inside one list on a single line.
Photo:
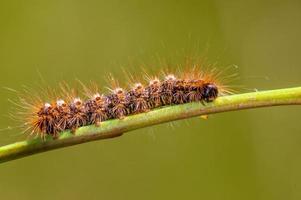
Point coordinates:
[(252, 154)]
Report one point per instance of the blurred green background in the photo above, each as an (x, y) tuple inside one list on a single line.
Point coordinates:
[(253, 154)]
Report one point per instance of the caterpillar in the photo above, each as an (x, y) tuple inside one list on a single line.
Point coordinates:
[(71, 112)]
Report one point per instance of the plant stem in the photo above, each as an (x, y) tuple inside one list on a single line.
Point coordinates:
[(115, 128)]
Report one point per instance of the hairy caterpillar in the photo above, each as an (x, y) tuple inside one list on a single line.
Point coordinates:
[(72, 112)]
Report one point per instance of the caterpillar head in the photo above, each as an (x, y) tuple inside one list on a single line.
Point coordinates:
[(210, 92)]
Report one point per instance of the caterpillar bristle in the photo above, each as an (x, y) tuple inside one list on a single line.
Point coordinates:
[(117, 103), (97, 109), (137, 99), (68, 109), (167, 88), (78, 115), (153, 92), (45, 121), (179, 96), (63, 114)]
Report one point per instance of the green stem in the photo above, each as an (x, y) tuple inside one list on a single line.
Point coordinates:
[(114, 128)]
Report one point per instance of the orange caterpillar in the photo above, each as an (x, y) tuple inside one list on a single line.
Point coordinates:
[(71, 112)]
